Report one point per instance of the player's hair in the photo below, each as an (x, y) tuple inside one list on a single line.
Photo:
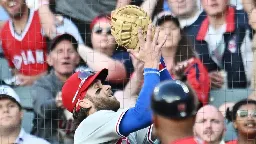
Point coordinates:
[(80, 115)]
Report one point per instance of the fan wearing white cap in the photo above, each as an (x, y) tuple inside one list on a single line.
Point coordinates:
[(10, 119)]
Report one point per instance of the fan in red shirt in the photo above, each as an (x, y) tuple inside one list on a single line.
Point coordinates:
[(23, 44)]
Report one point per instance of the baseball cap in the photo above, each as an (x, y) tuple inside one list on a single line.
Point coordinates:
[(173, 99), (76, 86), (60, 38), (165, 16), (6, 91)]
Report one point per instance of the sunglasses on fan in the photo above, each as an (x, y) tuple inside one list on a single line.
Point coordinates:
[(100, 30), (246, 113)]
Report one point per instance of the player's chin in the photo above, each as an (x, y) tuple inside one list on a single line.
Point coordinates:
[(115, 104)]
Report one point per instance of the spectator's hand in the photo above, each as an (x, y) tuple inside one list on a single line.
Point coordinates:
[(252, 19), (217, 80), (150, 50), (58, 100), (179, 69), (25, 80)]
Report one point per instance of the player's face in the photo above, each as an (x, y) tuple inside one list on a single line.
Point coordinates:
[(209, 125), (102, 97), (182, 8), (246, 120), (15, 8), (173, 34), (10, 114), (101, 37), (214, 7), (64, 58)]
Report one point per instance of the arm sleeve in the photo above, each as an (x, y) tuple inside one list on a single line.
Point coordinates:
[(140, 116), (43, 101)]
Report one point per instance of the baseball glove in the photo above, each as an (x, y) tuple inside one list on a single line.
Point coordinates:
[(125, 22)]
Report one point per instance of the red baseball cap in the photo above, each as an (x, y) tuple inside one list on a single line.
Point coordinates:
[(76, 86)]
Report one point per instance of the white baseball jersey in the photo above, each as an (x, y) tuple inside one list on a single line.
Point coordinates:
[(102, 127)]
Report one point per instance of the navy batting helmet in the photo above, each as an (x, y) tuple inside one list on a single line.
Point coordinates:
[(173, 99)]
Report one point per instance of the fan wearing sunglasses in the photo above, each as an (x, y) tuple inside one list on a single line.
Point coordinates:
[(243, 116), (104, 54)]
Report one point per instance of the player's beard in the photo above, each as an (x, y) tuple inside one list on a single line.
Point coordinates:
[(105, 103)]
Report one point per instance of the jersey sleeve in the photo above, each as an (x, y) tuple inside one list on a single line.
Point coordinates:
[(143, 136), (100, 127)]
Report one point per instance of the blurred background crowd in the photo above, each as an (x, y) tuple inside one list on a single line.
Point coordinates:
[(43, 42)]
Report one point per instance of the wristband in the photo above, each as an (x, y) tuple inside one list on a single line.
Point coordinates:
[(151, 72)]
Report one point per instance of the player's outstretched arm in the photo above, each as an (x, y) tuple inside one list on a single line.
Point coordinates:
[(150, 52)]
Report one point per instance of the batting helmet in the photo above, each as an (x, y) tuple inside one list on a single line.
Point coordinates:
[(173, 99)]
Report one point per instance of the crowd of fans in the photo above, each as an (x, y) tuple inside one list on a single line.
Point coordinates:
[(46, 41)]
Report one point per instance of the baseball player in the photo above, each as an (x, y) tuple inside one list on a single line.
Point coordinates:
[(174, 106), (95, 109)]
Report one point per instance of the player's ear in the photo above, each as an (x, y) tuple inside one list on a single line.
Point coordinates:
[(85, 103)]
